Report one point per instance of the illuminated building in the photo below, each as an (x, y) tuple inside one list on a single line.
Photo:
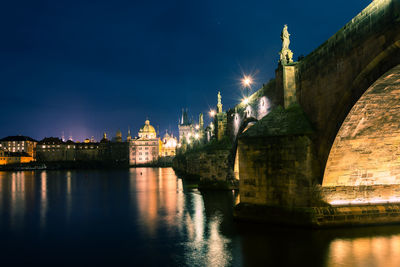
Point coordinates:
[(54, 149), (7, 157), (19, 143), (144, 149), (186, 128), (87, 151), (189, 133), (168, 148)]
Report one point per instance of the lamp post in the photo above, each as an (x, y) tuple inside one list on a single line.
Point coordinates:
[(212, 113), (247, 80)]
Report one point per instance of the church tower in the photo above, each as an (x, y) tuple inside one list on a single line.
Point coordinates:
[(219, 103), (220, 119)]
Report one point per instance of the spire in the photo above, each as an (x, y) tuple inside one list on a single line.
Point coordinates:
[(219, 104), (201, 121), (129, 137), (184, 119)]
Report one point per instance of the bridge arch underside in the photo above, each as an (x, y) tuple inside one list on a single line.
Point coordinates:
[(363, 165), (246, 124)]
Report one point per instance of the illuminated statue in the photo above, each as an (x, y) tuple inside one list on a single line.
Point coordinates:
[(286, 55), (285, 38)]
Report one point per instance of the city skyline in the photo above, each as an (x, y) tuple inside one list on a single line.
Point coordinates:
[(88, 68)]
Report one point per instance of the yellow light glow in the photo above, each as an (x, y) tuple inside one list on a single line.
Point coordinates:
[(197, 127), (247, 80), (212, 113), (196, 136), (245, 100), (376, 200)]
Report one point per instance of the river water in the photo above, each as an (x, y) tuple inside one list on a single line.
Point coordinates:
[(150, 217)]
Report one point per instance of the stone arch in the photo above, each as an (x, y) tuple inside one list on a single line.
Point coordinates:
[(366, 150), (234, 157), (346, 96), (333, 77)]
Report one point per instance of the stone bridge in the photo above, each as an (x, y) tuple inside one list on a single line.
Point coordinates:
[(325, 149)]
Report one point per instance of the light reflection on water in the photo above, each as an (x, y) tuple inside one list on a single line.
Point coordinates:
[(147, 216), (160, 198), (371, 251)]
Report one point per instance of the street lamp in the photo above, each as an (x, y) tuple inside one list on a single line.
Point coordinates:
[(212, 113), (247, 81)]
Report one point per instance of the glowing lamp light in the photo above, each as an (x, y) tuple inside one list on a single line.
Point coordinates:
[(245, 100), (196, 136), (247, 80), (197, 127), (212, 113)]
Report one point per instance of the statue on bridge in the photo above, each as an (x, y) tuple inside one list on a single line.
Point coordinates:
[(286, 55)]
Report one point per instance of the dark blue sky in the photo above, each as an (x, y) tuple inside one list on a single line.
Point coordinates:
[(84, 67)]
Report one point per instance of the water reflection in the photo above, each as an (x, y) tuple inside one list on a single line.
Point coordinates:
[(370, 251), (150, 217), (43, 198), (163, 203), (68, 195)]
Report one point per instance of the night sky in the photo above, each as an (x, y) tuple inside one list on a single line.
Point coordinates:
[(85, 67)]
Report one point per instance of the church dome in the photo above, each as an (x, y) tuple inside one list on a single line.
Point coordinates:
[(147, 131), (147, 128)]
